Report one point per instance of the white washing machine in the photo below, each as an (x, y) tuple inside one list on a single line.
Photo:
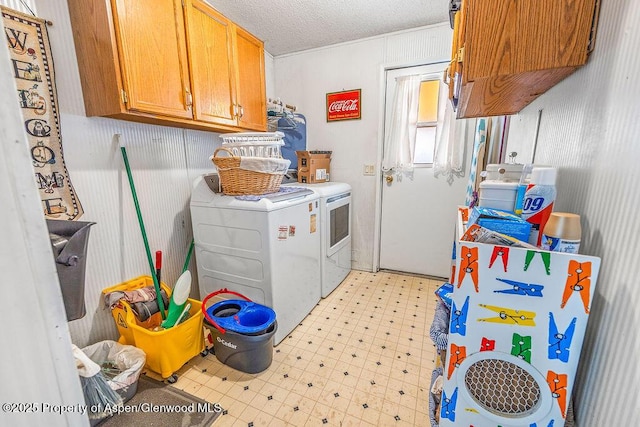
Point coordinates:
[(266, 249), (335, 229)]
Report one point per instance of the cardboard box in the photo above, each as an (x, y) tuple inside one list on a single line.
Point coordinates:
[(313, 166), (478, 234), (500, 221)]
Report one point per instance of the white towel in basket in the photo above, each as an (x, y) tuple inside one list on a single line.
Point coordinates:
[(264, 164)]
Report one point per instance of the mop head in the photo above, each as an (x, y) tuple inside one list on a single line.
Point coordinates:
[(98, 395)]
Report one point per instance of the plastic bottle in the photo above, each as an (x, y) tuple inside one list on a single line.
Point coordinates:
[(538, 201), (562, 233), (522, 188)]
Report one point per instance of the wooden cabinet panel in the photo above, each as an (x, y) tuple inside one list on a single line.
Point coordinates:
[(97, 55), (508, 52), (251, 88), (168, 62), (210, 37), (153, 63), (502, 95), (227, 69)]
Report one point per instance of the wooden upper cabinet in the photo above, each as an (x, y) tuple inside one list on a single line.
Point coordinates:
[(153, 56), (227, 70), (251, 96), (210, 39), (168, 62), (508, 52)]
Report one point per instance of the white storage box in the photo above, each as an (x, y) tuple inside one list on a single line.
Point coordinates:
[(498, 194)]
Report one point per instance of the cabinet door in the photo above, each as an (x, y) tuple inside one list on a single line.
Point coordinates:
[(153, 56), (210, 40), (515, 50), (251, 98)]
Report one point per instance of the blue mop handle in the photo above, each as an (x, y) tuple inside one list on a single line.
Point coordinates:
[(156, 284)]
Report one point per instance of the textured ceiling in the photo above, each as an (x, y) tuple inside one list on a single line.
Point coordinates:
[(288, 26)]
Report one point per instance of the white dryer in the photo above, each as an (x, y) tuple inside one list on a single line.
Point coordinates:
[(335, 229), (266, 249)]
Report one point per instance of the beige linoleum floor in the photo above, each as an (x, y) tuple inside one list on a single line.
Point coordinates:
[(362, 357)]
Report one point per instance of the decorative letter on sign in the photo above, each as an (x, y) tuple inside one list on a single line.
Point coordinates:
[(32, 68)]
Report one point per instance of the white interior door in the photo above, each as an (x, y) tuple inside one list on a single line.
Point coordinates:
[(418, 215)]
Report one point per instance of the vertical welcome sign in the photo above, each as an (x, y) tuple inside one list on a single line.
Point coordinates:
[(32, 67)]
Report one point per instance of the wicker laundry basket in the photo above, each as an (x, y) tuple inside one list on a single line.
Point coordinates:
[(237, 181)]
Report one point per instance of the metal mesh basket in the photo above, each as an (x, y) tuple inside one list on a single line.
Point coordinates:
[(502, 388)]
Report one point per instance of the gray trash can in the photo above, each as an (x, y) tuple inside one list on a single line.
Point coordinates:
[(69, 244)]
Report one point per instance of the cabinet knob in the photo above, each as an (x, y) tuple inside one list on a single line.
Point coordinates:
[(389, 179), (241, 111)]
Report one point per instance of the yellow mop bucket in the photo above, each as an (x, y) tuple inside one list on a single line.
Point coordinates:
[(167, 350)]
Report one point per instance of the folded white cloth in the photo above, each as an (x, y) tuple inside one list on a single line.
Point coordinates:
[(264, 164)]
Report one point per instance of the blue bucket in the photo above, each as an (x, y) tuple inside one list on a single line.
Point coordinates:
[(242, 332), (242, 317)]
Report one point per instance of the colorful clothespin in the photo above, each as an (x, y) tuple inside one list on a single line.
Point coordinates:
[(559, 343), (521, 288), (468, 265), (487, 344), (509, 316), (578, 280), (521, 347), (456, 356), (546, 259), (503, 253), (558, 385), (448, 409), (548, 425), (458, 324)]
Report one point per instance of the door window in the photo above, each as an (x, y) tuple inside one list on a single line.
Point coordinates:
[(427, 121)]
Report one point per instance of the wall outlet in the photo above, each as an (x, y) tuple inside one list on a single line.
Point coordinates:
[(369, 170)]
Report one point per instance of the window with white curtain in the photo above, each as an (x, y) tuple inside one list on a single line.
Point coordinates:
[(427, 122), (414, 114)]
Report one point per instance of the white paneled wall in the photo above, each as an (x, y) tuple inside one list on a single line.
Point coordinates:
[(417, 46), (164, 161), (304, 79), (589, 128), (25, 6)]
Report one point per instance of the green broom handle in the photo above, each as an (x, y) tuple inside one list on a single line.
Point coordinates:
[(186, 261), (156, 285)]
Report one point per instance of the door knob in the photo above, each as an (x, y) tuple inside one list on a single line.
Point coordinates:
[(389, 179)]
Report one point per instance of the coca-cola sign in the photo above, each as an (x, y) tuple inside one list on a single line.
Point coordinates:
[(343, 105)]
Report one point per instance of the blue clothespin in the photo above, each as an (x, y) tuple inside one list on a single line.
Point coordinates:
[(521, 288)]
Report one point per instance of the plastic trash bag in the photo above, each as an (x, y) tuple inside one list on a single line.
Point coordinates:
[(121, 364), (98, 394)]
